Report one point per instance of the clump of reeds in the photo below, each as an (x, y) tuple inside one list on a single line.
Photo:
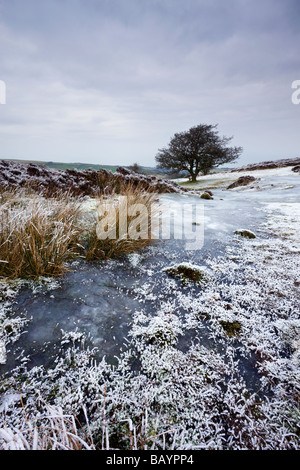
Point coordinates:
[(133, 206), (53, 431), (37, 235)]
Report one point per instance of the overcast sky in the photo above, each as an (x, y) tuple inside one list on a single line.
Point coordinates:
[(111, 81)]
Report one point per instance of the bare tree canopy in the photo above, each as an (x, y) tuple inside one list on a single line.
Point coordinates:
[(197, 150)]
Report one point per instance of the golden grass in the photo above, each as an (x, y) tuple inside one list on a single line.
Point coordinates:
[(39, 235), (117, 243)]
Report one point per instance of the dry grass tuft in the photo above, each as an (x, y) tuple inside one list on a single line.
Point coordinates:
[(139, 212), (53, 431), (38, 235)]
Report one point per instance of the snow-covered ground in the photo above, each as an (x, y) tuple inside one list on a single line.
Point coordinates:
[(224, 178), (212, 364)]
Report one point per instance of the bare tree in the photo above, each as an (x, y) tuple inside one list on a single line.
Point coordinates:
[(197, 150)]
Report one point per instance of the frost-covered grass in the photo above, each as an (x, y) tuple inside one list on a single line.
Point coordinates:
[(176, 400), (160, 396), (39, 235), (115, 245), (53, 431)]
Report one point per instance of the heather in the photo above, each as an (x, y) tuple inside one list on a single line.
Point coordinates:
[(50, 181)]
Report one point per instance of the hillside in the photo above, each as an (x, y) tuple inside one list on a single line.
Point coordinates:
[(88, 182), (282, 163), (65, 166)]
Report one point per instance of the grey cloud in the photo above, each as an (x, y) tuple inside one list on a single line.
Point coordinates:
[(113, 69)]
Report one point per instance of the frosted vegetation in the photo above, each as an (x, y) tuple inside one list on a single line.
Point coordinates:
[(212, 348)]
